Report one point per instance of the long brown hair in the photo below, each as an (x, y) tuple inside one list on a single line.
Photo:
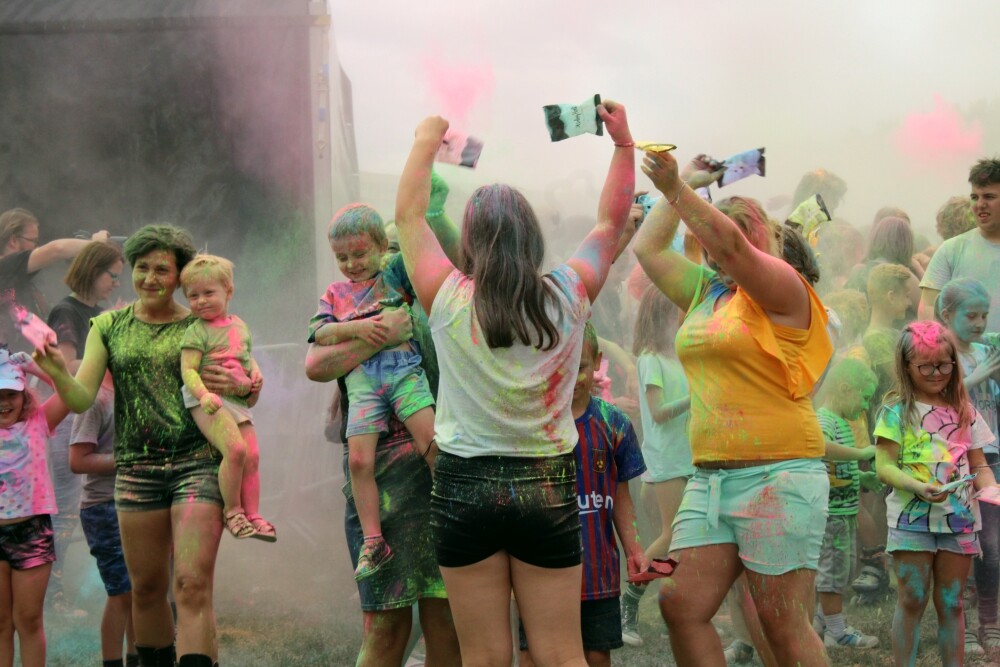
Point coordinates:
[(502, 251), (656, 323)]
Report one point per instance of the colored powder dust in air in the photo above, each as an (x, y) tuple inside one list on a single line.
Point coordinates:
[(457, 88), (941, 135)]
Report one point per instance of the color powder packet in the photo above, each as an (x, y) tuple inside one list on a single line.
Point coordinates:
[(569, 120), (658, 568), (809, 216), (654, 147), (741, 165), (34, 330), (460, 149)]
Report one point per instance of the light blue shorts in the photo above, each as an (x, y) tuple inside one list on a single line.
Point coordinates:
[(389, 382), (774, 513), (966, 544)]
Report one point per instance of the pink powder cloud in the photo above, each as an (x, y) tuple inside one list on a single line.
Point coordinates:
[(457, 89), (940, 135)]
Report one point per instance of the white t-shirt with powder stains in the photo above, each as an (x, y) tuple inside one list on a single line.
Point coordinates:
[(511, 401)]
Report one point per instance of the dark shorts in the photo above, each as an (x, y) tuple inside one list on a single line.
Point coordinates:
[(404, 484), (600, 621), (524, 506), (28, 544), (143, 487), (100, 527)]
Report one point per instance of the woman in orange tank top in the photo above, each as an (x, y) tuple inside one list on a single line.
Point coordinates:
[(753, 345)]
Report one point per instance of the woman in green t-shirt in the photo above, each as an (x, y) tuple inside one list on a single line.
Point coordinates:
[(166, 491)]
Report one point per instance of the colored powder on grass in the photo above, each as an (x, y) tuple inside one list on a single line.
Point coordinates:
[(941, 134)]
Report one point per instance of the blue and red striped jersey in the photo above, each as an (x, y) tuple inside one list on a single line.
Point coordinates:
[(606, 454)]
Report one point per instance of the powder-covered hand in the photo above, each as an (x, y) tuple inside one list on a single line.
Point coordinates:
[(439, 193), (210, 403), (613, 115), (699, 172), (661, 168), (398, 324), (432, 128), (372, 330)]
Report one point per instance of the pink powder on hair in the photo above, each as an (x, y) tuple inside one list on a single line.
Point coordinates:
[(926, 335), (941, 134), (457, 89)]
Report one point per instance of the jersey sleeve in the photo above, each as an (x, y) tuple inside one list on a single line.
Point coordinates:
[(628, 455)]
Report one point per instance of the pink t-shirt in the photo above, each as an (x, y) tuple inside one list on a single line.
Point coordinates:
[(25, 485)]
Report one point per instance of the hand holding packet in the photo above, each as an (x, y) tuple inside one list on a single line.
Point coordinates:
[(34, 330), (741, 165), (658, 568), (961, 481), (570, 120), (460, 149)]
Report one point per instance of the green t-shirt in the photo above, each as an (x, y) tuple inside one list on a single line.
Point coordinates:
[(845, 476), (219, 345), (152, 426)]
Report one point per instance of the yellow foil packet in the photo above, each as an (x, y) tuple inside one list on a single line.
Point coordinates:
[(654, 146)]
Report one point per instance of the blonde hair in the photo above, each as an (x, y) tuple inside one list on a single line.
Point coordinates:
[(14, 222), (208, 267), (924, 335), (886, 277), (763, 232)]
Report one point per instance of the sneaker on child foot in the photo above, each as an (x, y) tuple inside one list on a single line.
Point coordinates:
[(972, 645), (738, 653), (374, 554), (630, 621), (989, 637), (850, 639)]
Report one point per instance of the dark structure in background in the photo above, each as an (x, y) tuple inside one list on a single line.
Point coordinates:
[(212, 114)]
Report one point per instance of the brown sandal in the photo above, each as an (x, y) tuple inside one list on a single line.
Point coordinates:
[(263, 529)]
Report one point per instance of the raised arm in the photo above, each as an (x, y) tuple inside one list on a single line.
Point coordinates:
[(60, 249), (426, 261), (77, 392), (672, 273), (769, 281), (446, 231), (593, 258)]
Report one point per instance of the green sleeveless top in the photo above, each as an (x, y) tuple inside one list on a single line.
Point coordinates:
[(152, 426)]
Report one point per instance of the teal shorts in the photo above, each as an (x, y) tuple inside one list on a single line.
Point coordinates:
[(774, 513)]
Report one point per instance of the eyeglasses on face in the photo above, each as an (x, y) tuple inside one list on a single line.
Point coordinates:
[(115, 277), (927, 370)]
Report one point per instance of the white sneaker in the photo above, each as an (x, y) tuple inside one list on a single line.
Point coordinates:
[(631, 637), (972, 645), (850, 639)]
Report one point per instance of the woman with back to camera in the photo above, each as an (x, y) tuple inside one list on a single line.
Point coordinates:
[(508, 338), (753, 345), (167, 489)]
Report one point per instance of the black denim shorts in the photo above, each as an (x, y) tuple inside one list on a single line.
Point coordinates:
[(524, 506)]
